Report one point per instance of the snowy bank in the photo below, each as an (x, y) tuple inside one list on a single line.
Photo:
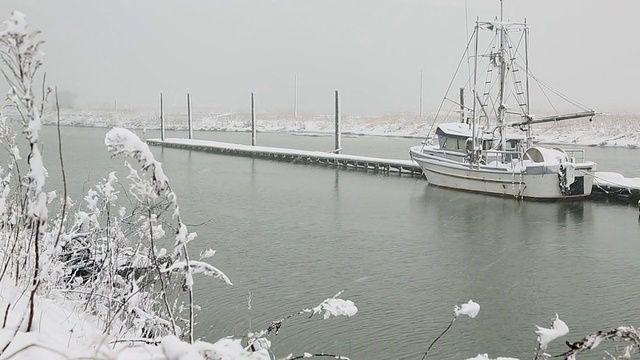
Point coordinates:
[(610, 130)]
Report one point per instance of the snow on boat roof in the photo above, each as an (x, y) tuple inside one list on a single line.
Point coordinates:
[(455, 129), (460, 130), (464, 130)]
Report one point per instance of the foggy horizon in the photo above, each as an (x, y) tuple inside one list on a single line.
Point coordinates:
[(372, 51)]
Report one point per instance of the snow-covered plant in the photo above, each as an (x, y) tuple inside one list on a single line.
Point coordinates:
[(628, 334), (153, 193), (21, 56), (102, 255), (333, 306), (470, 309), (557, 329)]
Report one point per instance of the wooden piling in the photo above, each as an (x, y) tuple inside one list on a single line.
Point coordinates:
[(161, 117), (421, 93), (338, 134), (189, 119), (295, 96), (253, 120)]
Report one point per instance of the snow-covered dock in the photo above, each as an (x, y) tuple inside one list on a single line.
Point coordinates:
[(611, 184), (606, 184), (379, 165)]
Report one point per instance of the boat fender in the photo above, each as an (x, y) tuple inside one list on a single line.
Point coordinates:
[(566, 175), (468, 146)]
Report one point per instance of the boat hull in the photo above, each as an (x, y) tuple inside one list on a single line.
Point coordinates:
[(539, 182)]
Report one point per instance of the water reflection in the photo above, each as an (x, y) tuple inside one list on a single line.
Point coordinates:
[(404, 251), (571, 214)]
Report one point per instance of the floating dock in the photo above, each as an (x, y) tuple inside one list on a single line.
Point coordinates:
[(366, 163), (607, 185), (614, 185)]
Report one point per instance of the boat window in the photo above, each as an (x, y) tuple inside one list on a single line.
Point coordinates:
[(450, 143), (512, 144)]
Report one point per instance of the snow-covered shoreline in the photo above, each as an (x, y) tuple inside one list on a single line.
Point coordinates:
[(604, 130)]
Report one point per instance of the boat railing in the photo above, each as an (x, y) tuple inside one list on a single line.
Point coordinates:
[(577, 155), (502, 156)]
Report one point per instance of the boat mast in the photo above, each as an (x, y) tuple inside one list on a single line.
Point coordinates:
[(501, 107), (526, 78), (475, 96)]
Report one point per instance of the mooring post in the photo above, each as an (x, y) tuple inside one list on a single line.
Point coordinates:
[(253, 120), (161, 117), (189, 116), (295, 96), (421, 93), (338, 146)]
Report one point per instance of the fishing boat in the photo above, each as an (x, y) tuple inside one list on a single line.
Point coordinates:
[(488, 147)]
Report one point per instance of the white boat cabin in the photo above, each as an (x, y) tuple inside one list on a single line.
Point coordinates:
[(457, 136)]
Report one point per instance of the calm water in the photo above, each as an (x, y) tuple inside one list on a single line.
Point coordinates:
[(404, 252)]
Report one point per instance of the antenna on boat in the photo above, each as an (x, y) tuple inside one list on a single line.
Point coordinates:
[(474, 127), (526, 72), (501, 107)]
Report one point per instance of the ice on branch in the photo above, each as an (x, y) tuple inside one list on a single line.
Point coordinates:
[(486, 357), (545, 336), (334, 306), (471, 309), (17, 24), (620, 334), (122, 141), (174, 349), (198, 267), (228, 348), (207, 254)]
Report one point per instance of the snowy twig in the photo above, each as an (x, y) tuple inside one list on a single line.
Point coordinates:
[(163, 288), (331, 306), (545, 336), (38, 345), (470, 309), (590, 342), (64, 177), (439, 336), (137, 340), (309, 355)]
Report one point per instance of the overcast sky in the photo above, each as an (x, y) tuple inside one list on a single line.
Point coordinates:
[(373, 50)]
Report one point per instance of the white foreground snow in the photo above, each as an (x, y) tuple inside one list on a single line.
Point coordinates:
[(64, 331)]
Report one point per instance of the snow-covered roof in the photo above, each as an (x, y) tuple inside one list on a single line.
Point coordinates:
[(460, 130), (456, 129)]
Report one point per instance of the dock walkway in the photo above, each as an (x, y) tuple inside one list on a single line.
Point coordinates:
[(606, 184), (292, 155)]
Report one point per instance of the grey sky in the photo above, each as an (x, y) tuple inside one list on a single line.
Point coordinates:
[(373, 50)]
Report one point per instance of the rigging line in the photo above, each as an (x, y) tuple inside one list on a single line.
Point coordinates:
[(466, 50), (466, 25), (544, 93), (562, 96)]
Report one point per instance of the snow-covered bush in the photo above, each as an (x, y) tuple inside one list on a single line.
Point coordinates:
[(103, 258)]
